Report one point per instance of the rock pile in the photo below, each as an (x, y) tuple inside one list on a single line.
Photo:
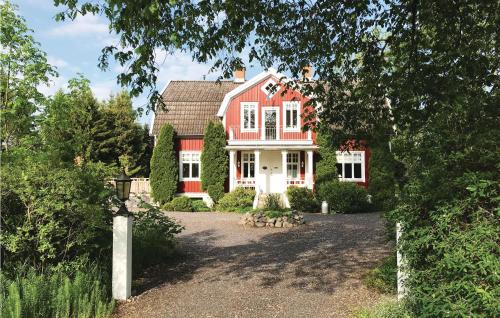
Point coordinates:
[(259, 219)]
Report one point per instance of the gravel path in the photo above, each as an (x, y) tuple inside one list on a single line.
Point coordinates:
[(231, 271)]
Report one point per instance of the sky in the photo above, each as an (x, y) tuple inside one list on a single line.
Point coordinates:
[(74, 47)]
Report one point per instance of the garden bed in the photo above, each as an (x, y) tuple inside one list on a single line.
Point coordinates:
[(272, 219)]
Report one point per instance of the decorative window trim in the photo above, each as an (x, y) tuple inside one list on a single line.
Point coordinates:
[(263, 125), (255, 106), (190, 161), (268, 93), (343, 158), (290, 104), (249, 161), (289, 155)]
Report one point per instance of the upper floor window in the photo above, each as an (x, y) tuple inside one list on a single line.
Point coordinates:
[(292, 165), (248, 160), (292, 115), (351, 165), (189, 165), (270, 88), (249, 116)]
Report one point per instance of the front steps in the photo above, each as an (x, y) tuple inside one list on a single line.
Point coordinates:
[(260, 200)]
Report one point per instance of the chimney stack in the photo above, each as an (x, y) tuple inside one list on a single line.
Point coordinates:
[(307, 73), (239, 75)]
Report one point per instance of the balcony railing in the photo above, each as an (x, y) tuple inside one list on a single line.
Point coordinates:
[(268, 133)]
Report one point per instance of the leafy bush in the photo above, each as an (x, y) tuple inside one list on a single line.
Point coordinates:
[(238, 200), (216, 192), (383, 277), (302, 199), (326, 169), (164, 168), (274, 213), (55, 294), (389, 309), (199, 206), (153, 239), (384, 170), (214, 160), (180, 204), (53, 213), (344, 197), (273, 202)]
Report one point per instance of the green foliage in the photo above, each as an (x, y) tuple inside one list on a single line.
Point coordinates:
[(344, 197), (54, 213), (302, 199), (326, 169), (153, 239), (164, 168), (216, 191), (238, 200), (383, 278), (274, 213), (214, 160), (199, 206), (23, 68), (387, 309), (55, 294), (383, 178), (180, 204), (273, 202)]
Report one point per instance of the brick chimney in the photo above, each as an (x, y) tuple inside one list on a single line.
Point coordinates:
[(308, 73), (239, 75)]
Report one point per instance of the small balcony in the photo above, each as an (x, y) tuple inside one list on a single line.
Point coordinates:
[(268, 135)]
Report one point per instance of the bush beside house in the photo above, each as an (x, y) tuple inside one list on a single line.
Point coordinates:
[(214, 161), (344, 197), (238, 200), (164, 168), (302, 199)]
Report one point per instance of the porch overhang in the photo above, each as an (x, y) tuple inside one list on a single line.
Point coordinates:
[(280, 146)]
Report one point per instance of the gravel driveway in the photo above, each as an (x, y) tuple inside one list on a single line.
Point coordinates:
[(231, 271)]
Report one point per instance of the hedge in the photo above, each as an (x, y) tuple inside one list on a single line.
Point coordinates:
[(164, 168), (214, 160)]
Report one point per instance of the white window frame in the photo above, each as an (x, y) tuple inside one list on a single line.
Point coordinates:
[(190, 161), (288, 106), (268, 93), (289, 155), (255, 106), (343, 157), (243, 161), (263, 128)]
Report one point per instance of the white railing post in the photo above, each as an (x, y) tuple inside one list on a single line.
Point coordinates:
[(231, 134), (310, 158), (400, 264), (122, 257), (232, 155), (284, 154), (257, 170)]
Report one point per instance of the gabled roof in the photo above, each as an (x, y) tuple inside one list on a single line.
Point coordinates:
[(190, 105), (254, 81)]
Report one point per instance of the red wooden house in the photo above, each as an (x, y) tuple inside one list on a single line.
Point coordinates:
[(268, 150)]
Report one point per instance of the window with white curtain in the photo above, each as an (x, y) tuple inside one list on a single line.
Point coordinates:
[(248, 165), (189, 165), (351, 165), (292, 165)]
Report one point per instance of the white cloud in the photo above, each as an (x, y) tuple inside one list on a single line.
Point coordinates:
[(55, 83), (60, 63), (86, 25), (102, 90)]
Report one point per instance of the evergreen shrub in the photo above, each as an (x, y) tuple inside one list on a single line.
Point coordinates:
[(214, 160), (273, 202), (199, 206), (216, 191), (179, 204), (238, 200), (302, 199), (164, 168), (382, 186), (344, 197)]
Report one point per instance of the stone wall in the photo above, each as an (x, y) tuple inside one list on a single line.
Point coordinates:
[(259, 219)]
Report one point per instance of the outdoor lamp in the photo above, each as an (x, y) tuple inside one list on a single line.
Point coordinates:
[(123, 183)]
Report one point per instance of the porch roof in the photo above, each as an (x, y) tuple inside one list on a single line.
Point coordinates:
[(271, 147)]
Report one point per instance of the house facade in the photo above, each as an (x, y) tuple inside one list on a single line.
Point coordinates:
[(268, 148)]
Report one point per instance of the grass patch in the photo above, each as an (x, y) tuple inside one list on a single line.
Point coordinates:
[(383, 278), (387, 309)]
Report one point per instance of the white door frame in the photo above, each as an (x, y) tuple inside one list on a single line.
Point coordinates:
[(263, 126)]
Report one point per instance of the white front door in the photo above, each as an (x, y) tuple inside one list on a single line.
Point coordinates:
[(272, 171)]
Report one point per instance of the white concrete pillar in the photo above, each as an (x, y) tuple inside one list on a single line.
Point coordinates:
[(122, 257), (232, 172), (257, 170), (284, 168), (400, 264), (309, 172)]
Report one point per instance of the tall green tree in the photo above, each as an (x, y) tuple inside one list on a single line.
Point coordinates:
[(214, 159), (23, 68), (326, 169), (164, 167)]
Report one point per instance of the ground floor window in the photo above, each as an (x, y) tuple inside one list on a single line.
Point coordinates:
[(350, 165), (189, 166), (248, 163), (292, 165)]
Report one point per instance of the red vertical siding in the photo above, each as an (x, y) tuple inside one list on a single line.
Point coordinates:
[(255, 94), (189, 144)]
